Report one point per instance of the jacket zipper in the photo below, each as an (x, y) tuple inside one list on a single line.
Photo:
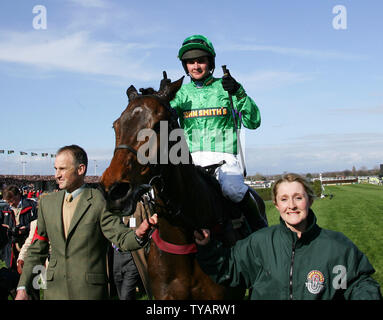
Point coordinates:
[(291, 273)]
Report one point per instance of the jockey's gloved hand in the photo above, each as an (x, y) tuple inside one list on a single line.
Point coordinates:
[(229, 84), (164, 82)]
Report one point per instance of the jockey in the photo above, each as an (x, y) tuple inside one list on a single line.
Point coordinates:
[(204, 111)]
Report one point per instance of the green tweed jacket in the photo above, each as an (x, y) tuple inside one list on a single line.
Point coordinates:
[(77, 265)]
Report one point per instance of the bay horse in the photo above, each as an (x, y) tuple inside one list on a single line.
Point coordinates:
[(184, 196)]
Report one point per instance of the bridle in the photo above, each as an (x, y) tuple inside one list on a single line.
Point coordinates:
[(126, 146), (150, 206), (157, 183), (157, 179)]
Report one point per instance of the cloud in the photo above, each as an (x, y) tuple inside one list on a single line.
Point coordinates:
[(90, 3), (77, 52), (297, 52), (377, 110), (271, 79), (317, 153)]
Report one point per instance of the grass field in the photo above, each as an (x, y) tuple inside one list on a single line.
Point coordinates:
[(356, 211)]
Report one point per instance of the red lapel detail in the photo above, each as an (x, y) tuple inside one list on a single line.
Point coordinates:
[(25, 210), (173, 248)]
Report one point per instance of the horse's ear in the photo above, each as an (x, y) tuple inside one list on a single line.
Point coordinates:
[(132, 93), (169, 91)]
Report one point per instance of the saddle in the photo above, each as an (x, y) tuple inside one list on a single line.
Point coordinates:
[(231, 223)]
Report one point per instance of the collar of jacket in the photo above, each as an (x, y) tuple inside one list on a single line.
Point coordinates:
[(76, 192), (207, 82), (311, 232)]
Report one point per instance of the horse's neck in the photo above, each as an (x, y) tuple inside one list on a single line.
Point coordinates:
[(173, 234), (191, 194), (184, 182)]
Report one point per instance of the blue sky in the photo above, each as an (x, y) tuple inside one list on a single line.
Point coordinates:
[(319, 90)]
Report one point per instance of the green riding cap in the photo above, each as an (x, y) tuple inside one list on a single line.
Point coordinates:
[(198, 42), (197, 46)]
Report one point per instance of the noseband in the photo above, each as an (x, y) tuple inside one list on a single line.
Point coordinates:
[(125, 146)]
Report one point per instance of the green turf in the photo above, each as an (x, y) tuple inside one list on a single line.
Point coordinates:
[(356, 211)]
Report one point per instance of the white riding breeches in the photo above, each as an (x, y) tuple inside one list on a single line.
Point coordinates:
[(229, 175)]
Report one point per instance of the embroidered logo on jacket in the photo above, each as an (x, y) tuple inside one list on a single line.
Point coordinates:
[(315, 281), (211, 112)]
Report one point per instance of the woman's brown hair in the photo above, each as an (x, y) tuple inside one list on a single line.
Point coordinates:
[(293, 177)]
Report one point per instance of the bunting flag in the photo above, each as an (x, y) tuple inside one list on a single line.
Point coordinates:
[(23, 153)]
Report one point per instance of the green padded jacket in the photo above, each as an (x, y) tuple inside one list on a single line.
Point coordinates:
[(321, 265)]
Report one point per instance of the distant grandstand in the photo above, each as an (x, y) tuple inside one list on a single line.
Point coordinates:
[(339, 180)]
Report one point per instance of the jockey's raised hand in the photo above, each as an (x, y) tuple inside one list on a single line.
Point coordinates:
[(229, 84), (164, 82)]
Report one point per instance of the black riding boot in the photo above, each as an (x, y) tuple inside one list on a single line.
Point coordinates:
[(253, 212)]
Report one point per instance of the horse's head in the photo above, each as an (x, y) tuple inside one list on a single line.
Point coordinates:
[(127, 176)]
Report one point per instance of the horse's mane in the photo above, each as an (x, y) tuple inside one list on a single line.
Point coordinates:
[(151, 92), (148, 91)]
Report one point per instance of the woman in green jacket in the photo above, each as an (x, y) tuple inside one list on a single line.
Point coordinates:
[(293, 260), (205, 114)]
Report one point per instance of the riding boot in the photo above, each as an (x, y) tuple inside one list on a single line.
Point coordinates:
[(253, 212)]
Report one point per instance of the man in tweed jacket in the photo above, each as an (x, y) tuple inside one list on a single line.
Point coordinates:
[(77, 226)]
